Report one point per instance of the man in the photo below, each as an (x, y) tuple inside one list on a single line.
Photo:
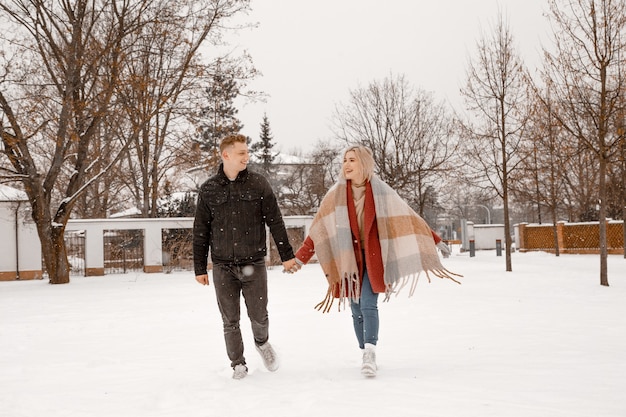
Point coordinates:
[(234, 207)]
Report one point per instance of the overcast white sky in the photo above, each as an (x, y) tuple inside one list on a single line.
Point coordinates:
[(312, 53)]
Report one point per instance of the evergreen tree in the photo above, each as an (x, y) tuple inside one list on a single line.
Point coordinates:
[(262, 150), (219, 117), (176, 205)]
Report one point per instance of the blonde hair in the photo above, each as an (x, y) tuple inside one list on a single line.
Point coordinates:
[(231, 140), (365, 157)]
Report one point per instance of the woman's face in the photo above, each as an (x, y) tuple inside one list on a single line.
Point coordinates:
[(352, 169)]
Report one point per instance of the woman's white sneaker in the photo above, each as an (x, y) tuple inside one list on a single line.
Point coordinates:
[(369, 368)]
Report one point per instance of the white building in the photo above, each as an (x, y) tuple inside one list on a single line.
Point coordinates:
[(19, 247)]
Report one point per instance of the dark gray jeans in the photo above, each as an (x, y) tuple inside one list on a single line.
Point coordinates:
[(230, 282)]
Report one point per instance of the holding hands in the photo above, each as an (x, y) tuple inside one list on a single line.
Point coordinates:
[(291, 266)]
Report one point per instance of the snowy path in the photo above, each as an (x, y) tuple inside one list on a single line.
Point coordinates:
[(545, 340)]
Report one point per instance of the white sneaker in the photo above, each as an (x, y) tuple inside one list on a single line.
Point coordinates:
[(270, 359), (369, 367), (240, 371)]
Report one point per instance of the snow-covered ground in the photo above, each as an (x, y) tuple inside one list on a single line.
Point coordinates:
[(545, 340)]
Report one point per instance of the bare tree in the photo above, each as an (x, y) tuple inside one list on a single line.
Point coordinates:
[(586, 71), (167, 70), (304, 184), (496, 95), (76, 48), (410, 134), (56, 92), (621, 124), (542, 177), (581, 182), (106, 193)]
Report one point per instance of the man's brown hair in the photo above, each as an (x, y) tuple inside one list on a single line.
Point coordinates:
[(231, 139)]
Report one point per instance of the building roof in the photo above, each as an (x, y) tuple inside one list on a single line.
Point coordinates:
[(12, 194)]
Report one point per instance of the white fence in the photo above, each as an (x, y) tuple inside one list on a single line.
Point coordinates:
[(21, 253)]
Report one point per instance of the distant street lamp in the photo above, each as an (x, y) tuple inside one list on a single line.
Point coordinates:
[(486, 208)]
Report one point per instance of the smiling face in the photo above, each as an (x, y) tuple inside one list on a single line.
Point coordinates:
[(235, 158), (352, 168)]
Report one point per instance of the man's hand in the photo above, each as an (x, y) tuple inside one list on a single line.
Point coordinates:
[(291, 266), (203, 279)]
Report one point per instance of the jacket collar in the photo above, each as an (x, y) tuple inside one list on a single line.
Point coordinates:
[(241, 177)]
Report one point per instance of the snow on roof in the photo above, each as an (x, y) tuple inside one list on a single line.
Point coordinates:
[(289, 159), (178, 196), (133, 211), (12, 194)]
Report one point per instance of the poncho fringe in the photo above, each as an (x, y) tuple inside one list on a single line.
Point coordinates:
[(407, 247)]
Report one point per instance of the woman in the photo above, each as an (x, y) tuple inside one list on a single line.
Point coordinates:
[(368, 242)]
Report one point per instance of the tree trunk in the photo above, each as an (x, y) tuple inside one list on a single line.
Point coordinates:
[(555, 233), (602, 157), (604, 279), (624, 194), (505, 185), (507, 233), (505, 198), (55, 255)]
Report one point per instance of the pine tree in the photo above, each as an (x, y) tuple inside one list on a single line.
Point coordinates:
[(219, 117), (179, 205), (262, 150)]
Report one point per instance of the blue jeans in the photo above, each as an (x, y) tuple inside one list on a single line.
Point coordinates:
[(365, 314)]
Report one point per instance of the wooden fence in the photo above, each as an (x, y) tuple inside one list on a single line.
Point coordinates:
[(570, 237)]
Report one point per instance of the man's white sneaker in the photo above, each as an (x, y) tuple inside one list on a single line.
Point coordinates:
[(270, 359), (369, 367), (240, 371)]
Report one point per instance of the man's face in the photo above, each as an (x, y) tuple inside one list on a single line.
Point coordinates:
[(236, 157)]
